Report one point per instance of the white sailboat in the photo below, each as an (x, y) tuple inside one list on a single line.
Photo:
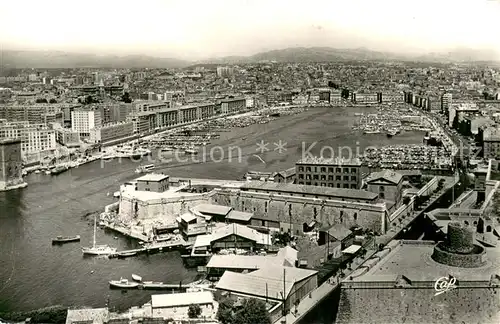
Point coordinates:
[(98, 249)]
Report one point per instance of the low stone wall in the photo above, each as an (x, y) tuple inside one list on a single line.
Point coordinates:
[(474, 260), (399, 305)]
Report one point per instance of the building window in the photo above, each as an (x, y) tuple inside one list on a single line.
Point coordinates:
[(353, 178), (330, 170), (355, 216), (353, 170), (265, 207), (308, 169), (301, 176), (301, 169), (381, 188), (323, 169), (338, 170), (488, 228), (345, 170), (381, 195)]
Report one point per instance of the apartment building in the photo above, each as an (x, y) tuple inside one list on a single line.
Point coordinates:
[(446, 101), (491, 143), (335, 173), (67, 137), (83, 120), (35, 138), (224, 71), (33, 113), (233, 105), (111, 132)]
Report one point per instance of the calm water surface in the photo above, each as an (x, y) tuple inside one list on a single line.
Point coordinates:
[(35, 274)]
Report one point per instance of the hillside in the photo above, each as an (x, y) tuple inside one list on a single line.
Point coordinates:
[(53, 59)]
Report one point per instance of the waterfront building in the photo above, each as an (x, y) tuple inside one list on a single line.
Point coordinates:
[(153, 182), (11, 169), (388, 185), (291, 208), (231, 236), (151, 105), (411, 269), (232, 105), (220, 263), (111, 133), (284, 286), (65, 136), (176, 306), (83, 120), (333, 173), (35, 138)]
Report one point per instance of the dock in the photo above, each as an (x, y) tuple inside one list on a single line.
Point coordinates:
[(151, 248)]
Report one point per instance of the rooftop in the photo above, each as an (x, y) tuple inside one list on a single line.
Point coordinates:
[(212, 209), (413, 260), (330, 161), (239, 216), (154, 177), (388, 175), (181, 299), (310, 190), (268, 281)]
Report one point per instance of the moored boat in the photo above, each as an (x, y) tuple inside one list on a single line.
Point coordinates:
[(126, 254), (145, 168), (65, 239), (97, 249), (155, 285), (123, 283), (59, 169), (190, 151), (137, 278)]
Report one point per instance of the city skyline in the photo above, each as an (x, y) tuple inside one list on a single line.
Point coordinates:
[(194, 30)]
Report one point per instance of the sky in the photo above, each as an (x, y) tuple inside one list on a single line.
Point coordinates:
[(196, 29)]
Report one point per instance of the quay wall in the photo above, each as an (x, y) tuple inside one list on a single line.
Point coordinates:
[(418, 305), (300, 210)]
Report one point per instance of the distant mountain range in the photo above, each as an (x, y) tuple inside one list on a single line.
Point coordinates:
[(55, 59)]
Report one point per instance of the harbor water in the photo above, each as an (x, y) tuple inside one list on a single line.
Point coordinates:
[(35, 274)]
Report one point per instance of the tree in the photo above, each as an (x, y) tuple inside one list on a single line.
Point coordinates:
[(52, 100), (41, 100), (253, 311), (126, 98), (194, 311), (225, 311)]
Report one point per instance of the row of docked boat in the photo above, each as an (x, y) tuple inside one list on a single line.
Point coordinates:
[(138, 283)]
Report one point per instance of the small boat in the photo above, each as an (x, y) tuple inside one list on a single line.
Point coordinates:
[(126, 254), (145, 168), (167, 149), (116, 194), (155, 285), (59, 169), (37, 171), (137, 278), (123, 283), (48, 172), (190, 151), (65, 239)]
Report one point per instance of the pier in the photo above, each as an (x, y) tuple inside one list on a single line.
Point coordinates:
[(151, 248)]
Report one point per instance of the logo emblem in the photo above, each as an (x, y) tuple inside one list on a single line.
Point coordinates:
[(444, 284)]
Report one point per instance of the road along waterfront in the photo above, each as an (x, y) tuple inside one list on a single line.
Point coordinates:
[(35, 274)]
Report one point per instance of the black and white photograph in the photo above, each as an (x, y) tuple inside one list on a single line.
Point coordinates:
[(250, 162)]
